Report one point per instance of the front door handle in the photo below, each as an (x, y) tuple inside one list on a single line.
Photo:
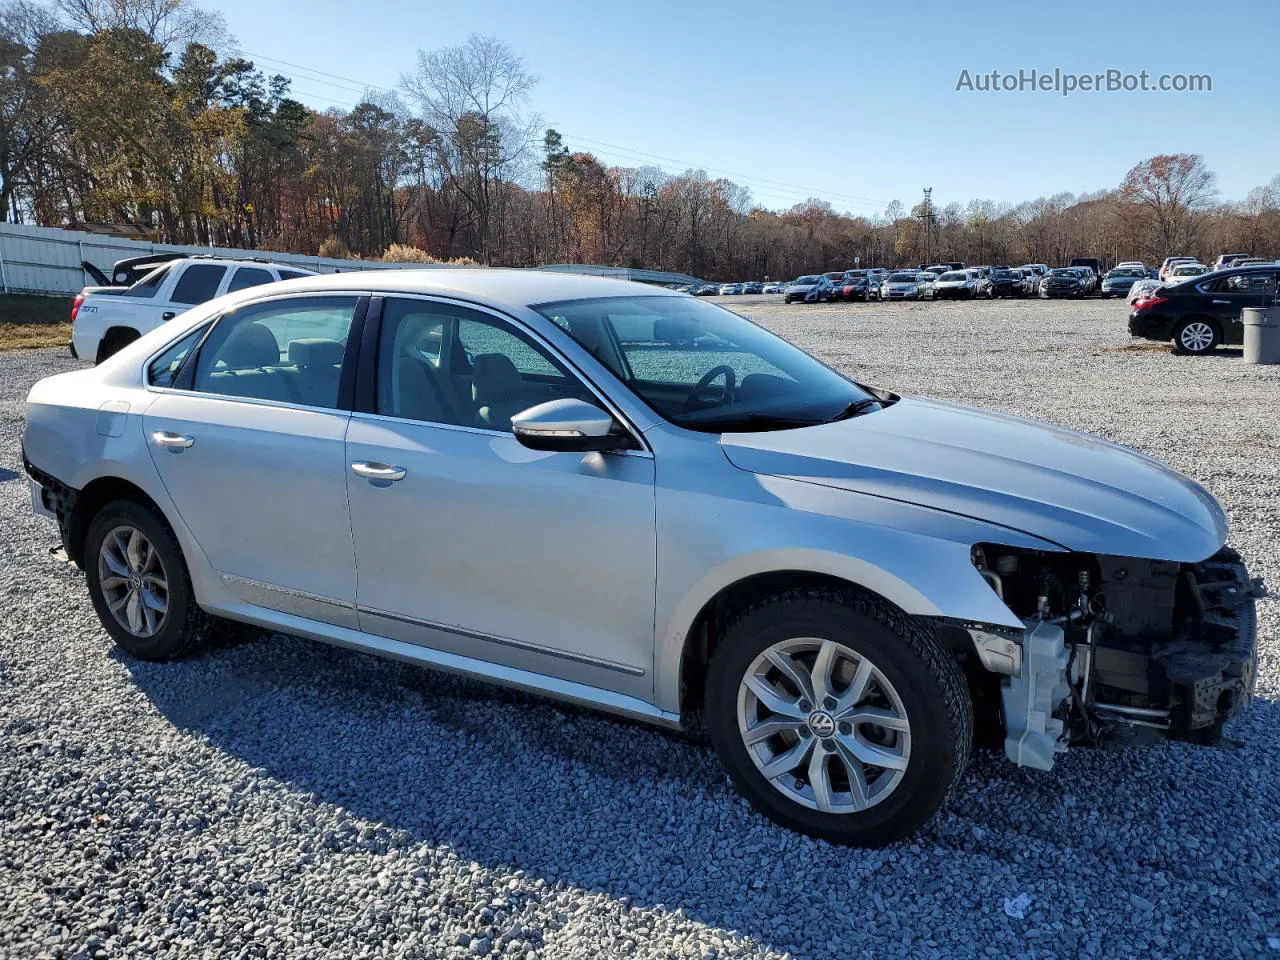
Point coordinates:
[(167, 315), (172, 441), (1222, 303), (379, 471)]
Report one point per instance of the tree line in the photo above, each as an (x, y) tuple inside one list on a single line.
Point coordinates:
[(131, 112)]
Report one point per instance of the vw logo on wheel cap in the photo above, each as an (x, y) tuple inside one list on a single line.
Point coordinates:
[(822, 724)]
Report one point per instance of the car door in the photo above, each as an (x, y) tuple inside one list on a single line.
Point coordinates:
[(468, 542), (249, 443), (1228, 296)]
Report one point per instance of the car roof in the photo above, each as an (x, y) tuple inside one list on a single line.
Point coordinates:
[(496, 286)]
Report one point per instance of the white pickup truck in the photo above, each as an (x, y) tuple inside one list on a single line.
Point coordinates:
[(104, 319)]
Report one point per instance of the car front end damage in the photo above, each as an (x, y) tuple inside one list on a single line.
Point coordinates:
[(1114, 649)]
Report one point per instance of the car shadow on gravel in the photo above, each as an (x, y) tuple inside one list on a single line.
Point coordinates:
[(604, 805)]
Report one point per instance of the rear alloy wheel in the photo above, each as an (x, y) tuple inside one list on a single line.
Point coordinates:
[(838, 716), (1195, 337), (139, 584)]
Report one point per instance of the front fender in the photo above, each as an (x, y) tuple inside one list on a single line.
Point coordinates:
[(915, 557)]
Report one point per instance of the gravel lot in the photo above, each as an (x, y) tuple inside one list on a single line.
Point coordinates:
[(279, 798)]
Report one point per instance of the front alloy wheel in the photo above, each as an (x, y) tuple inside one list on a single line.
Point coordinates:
[(837, 715), (1196, 336), (823, 725)]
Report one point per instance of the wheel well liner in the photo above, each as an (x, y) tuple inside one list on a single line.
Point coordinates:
[(89, 501), (708, 626)]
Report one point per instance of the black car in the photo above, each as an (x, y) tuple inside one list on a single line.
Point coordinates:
[(1205, 311), (1063, 282), (753, 286), (1007, 283)]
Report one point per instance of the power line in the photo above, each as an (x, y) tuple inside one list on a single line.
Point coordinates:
[(760, 185)]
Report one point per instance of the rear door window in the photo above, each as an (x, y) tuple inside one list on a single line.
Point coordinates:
[(198, 283), (246, 277)]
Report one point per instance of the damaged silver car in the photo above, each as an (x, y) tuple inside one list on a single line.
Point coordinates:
[(640, 502)]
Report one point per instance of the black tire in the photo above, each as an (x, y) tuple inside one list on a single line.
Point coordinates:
[(928, 680), (185, 626), (1179, 346), (114, 342)]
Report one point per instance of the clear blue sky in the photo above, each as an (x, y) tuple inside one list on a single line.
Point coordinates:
[(851, 101)]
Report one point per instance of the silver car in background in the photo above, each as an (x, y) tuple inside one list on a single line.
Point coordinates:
[(902, 285), (638, 501), (1120, 280)]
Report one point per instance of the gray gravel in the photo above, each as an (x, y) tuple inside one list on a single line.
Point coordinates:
[(279, 798)]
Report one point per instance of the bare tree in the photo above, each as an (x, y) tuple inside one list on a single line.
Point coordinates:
[(1171, 188), (170, 23), (475, 95)]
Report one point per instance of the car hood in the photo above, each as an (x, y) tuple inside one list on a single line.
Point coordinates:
[(1075, 490)]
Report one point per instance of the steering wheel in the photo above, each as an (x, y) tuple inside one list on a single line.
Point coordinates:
[(730, 381)]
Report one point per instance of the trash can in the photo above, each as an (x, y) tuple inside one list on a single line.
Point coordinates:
[(1261, 334)]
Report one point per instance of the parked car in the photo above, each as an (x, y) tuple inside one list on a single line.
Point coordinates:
[(955, 285), (105, 319), (1185, 271), (1199, 314), (1093, 263), (982, 279), (730, 289), (753, 286), (773, 286), (877, 276), (1168, 265), (1119, 280), (1132, 263), (1143, 288), (1230, 260), (853, 285), (1063, 282), (817, 568), (927, 279), (902, 285), (1007, 282), (705, 289), (801, 287)]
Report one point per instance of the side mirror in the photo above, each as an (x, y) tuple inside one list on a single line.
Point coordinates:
[(569, 425)]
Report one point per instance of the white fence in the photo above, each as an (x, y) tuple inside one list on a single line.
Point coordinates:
[(47, 260)]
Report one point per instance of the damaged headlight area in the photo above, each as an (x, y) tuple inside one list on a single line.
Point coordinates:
[(1115, 648)]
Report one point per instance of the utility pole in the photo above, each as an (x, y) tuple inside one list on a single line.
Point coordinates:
[(928, 225)]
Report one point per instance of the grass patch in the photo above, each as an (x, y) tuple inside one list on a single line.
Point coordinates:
[(31, 336)]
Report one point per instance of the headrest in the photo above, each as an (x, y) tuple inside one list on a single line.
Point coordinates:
[(316, 352), (250, 345), (494, 377)]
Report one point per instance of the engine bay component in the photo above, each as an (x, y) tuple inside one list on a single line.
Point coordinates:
[(1117, 648), (1033, 733)]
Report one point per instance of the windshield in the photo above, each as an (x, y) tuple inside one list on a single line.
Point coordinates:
[(902, 278), (854, 274), (1128, 272), (1005, 275), (953, 277), (805, 280), (1189, 271), (705, 368), (1063, 272)]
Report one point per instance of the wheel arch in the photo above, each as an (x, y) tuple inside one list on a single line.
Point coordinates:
[(90, 500), (695, 627), (118, 337)]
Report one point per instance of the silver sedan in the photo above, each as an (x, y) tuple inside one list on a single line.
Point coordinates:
[(638, 501)]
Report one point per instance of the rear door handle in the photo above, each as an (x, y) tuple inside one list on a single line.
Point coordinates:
[(172, 441), (167, 315), (379, 471), (1222, 303)]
